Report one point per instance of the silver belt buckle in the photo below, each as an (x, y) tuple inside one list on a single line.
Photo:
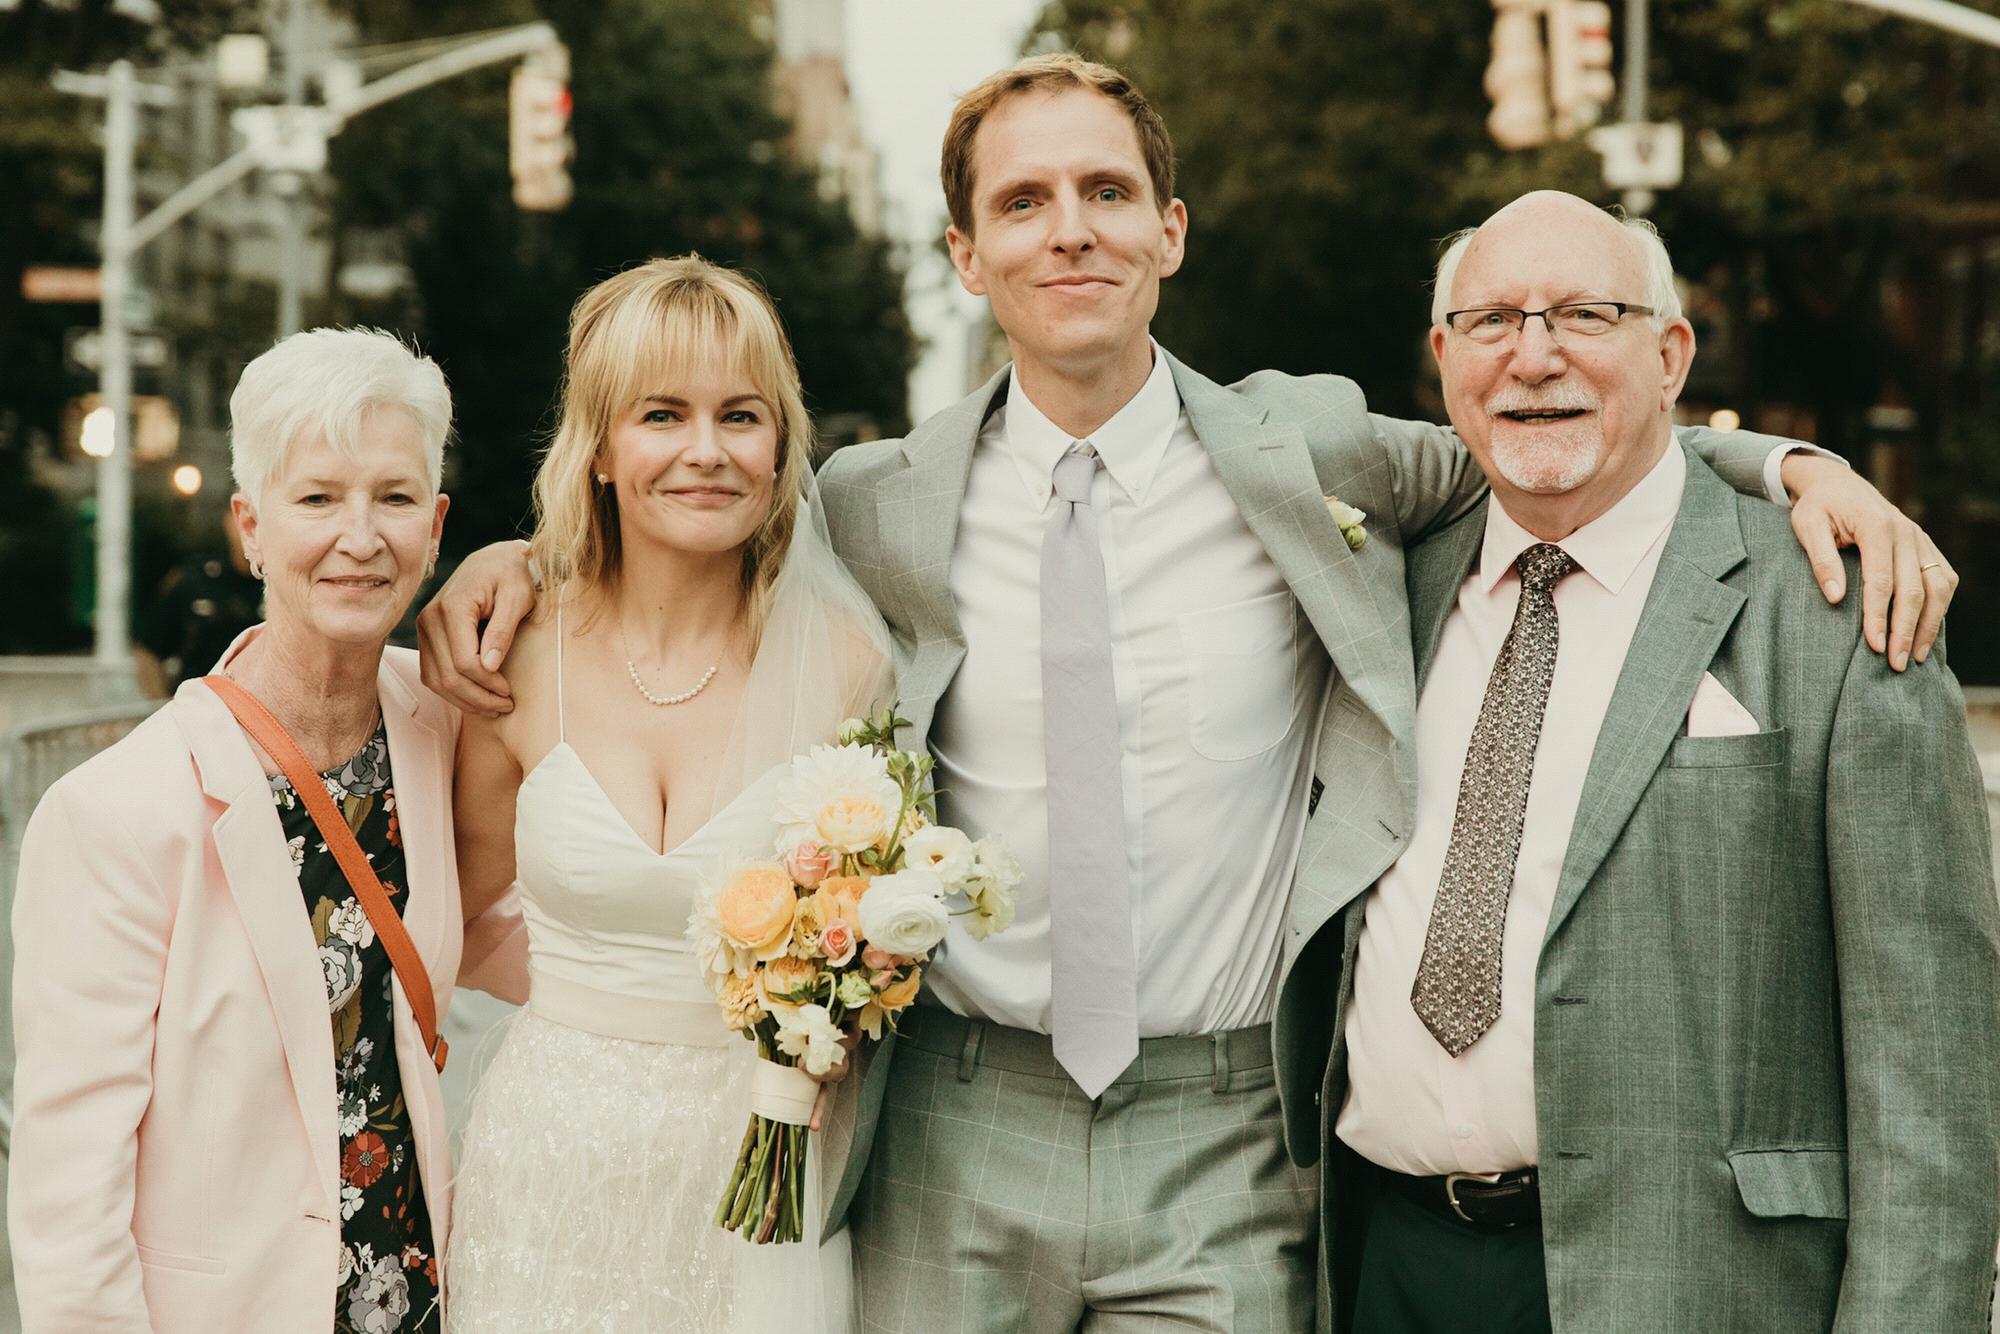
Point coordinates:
[(1451, 1180)]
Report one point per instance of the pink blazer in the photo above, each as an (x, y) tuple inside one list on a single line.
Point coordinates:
[(175, 1161)]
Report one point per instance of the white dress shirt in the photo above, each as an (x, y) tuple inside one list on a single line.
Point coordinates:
[(1218, 676), (1411, 1106)]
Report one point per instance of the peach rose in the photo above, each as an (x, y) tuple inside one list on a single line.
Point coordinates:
[(839, 898), (756, 910), (837, 942), (788, 982), (810, 862), (877, 958), (899, 994)]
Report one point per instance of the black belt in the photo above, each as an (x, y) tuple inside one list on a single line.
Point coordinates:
[(1512, 1200)]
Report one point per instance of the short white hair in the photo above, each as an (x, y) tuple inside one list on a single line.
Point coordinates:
[(1661, 293), (324, 382)]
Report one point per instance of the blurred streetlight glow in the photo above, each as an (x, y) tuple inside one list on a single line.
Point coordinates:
[(242, 60), (187, 479), (1725, 419), (100, 433)]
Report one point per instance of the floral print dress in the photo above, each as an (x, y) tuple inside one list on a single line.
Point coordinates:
[(388, 1270)]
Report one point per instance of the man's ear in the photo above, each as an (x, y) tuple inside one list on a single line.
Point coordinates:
[(1437, 346), (1676, 356), (1174, 246), (960, 244)]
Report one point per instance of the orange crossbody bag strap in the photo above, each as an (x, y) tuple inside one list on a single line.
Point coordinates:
[(269, 733)]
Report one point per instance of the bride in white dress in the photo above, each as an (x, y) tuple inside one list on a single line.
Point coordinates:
[(695, 633)]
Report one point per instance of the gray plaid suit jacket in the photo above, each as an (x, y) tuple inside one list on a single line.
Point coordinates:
[(1767, 1012), (1280, 444)]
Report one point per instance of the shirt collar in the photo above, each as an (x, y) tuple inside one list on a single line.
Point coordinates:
[(1611, 546), (1131, 444)]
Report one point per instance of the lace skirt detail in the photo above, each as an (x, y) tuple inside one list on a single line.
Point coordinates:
[(586, 1192)]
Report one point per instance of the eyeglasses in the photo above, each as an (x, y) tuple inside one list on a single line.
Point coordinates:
[(1587, 319)]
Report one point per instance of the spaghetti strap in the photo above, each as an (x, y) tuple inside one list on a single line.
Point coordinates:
[(561, 734)]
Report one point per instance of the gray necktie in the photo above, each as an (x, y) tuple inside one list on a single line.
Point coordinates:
[(1095, 976), (1457, 993)]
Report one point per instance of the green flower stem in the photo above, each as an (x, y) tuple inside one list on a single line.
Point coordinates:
[(735, 1186)]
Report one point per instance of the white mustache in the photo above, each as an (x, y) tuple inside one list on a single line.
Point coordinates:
[(1556, 398)]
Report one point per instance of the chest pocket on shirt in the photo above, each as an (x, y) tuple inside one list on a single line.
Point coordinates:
[(1241, 662)]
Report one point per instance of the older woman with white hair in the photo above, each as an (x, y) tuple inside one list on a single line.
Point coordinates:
[(236, 929)]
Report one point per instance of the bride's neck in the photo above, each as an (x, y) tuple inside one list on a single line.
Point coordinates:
[(663, 598)]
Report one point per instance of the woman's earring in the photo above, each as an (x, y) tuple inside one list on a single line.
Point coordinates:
[(431, 564), (257, 570), (604, 479)]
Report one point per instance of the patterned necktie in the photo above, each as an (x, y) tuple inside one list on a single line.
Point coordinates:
[(1094, 978), (1457, 992)]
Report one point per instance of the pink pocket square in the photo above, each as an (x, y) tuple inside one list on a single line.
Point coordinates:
[(1715, 712)]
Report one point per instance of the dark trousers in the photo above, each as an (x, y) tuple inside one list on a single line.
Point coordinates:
[(1422, 1274)]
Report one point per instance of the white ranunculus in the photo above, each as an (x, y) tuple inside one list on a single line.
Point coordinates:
[(842, 796), (904, 913), (808, 1035), (945, 851)]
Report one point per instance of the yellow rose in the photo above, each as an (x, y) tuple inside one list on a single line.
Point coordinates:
[(788, 982), (899, 994), (839, 899), (742, 1005), (756, 910)]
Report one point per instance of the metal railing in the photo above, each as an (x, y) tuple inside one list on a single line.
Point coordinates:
[(32, 758)]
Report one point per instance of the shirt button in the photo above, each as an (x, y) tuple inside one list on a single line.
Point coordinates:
[(1463, 1132)]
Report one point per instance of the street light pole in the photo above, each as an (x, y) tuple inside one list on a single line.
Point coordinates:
[(1637, 202), (114, 470), (291, 185)]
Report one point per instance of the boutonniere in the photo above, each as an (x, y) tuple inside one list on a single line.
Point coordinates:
[(1349, 519)]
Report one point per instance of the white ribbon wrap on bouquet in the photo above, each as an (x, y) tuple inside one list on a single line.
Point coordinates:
[(782, 1093)]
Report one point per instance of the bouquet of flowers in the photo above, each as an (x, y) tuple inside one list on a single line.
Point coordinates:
[(826, 942)]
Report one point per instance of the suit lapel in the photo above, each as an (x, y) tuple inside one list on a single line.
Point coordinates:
[(1436, 570), (917, 511), (257, 866), (1268, 472), (1687, 614)]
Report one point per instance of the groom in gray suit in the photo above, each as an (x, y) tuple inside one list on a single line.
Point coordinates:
[(1131, 628), (1680, 1009)]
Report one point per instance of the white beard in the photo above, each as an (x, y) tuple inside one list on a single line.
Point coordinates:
[(1550, 461)]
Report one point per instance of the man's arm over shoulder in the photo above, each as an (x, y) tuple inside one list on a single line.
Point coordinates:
[(1917, 934)]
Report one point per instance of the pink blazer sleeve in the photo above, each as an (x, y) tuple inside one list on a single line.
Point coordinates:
[(91, 926)]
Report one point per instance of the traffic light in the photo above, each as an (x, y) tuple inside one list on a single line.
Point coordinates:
[(1517, 78), (538, 141), (1580, 80)]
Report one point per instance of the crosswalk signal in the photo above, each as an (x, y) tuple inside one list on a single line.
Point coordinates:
[(1581, 84), (539, 146), (1517, 78)]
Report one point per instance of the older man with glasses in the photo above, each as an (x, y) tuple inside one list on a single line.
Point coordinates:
[(1677, 1012)]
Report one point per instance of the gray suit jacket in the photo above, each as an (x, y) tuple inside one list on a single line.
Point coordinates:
[(1767, 1012), (1280, 444)]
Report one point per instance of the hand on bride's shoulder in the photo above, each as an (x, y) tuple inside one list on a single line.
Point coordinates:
[(466, 632)]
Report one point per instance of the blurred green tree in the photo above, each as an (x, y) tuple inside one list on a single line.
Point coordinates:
[(678, 148), (1840, 216)]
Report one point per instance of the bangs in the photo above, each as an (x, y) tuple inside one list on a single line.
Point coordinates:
[(681, 334)]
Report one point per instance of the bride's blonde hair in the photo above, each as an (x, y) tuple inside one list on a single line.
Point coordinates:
[(628, 336)]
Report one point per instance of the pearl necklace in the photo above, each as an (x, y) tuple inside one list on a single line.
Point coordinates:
[(662, 701)]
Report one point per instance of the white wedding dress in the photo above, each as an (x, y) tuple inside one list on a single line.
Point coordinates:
[(605, 1129)]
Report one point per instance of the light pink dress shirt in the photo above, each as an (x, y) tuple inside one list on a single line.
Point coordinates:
[(1410, 1106)]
